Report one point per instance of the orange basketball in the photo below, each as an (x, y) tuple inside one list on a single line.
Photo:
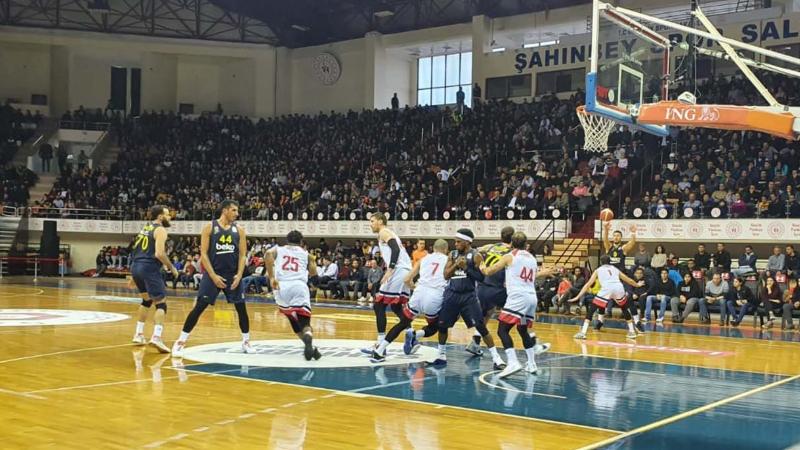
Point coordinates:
[(606, 215)]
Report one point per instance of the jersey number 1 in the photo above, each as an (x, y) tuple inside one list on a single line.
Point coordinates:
[(527, 274), (290, 264)]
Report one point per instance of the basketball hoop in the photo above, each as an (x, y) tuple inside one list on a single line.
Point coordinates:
[(596, 129)]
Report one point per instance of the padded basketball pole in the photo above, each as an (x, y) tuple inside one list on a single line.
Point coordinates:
[(698, 13), (732, 42)]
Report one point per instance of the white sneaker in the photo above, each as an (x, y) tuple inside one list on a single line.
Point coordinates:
[(579, 335), (660, 320), (139, 339), (177, 349), (159, 345), (538, 349), (531, 367), (512, 368), (247, 348)]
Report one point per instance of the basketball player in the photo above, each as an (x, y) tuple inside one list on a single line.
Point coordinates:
[(427, 300), (611, 289), (462, 271), (223, 253), (392, 291), (290, 283), (491, 291), (148, 255), (617, 251), (521, 270)]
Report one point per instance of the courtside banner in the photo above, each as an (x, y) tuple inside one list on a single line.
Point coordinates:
[(691, 230), (483, 229)]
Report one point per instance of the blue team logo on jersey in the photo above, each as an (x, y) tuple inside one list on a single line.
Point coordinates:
[(289, 353)]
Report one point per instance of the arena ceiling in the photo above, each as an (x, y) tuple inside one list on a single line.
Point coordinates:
[(302, 23)]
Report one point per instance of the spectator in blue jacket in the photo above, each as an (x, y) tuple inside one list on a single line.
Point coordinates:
[(747, 262)]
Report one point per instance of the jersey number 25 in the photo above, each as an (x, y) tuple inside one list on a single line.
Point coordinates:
[(290, 264)]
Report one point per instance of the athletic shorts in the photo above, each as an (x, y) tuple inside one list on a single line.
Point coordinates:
[(463, 304), (147, 277), (616, 294), (520, 309), (491, 296), (424, 301), (293, 298), (394, 291), (208, 291)]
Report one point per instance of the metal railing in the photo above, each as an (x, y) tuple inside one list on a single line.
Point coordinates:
[(84, 125), (32, 264)]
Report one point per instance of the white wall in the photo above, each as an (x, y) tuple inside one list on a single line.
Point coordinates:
[(198, 82), (159, 81), (24, 70), (310, 96), (396, 77)]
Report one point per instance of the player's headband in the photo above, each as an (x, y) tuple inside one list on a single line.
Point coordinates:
[(463, 237)]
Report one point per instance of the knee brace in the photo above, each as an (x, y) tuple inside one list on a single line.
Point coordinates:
[(147, 303), (163, 306)]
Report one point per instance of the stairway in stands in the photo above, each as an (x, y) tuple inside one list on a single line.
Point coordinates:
[(8, 231), (571, 252)]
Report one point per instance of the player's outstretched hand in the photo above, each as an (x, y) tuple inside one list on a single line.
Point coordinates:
[(640, 283), (131, 283), (275, 285), (174, 273), (236, 280)]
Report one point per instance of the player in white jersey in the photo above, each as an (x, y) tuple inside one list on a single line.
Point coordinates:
[(288, 267), (426, 300), (392, 291), (521, 270), (611, 289)]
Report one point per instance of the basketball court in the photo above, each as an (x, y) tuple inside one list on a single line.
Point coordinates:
[(66, 351)]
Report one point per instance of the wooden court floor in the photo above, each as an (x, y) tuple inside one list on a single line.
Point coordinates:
[(85, 385)]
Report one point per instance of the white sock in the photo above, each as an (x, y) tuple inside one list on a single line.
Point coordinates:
[(635, 318), (382, 347), (245, 337), (630, 326), (511, 356), (530, 353), (585, 327), (184, 337), (600, 317), (476, 333), (381, 337), (157, 331), (442, 349), (419, 334), (495, 354), (139, 328)]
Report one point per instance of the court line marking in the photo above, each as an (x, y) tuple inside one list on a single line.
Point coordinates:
[(417, 402), (140, 380), (22, 394), (685, 414), (482, 379), (76, 350)]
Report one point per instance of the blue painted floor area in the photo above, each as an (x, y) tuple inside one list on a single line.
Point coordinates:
[(598, 392), (743, 331), (766, 420)]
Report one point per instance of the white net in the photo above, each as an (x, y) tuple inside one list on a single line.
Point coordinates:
[(596, 129)]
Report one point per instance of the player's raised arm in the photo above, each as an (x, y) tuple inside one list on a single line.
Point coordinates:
[(604, 235), (630, 245)]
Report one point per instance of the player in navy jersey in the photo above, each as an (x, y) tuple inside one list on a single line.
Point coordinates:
[(223, 253), (148, 255), (459, 297)]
